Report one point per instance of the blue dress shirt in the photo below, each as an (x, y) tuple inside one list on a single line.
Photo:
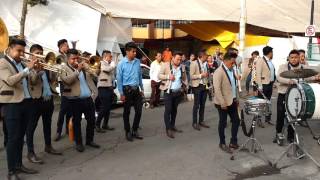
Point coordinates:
[(232, 79), (85, 91), (129, 74), (46, 91), (24, 80), (176, 84)]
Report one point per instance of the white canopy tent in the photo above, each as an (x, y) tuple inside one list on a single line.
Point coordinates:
[(282, 15), (67, 19)]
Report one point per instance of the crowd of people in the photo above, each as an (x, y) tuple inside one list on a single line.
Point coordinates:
[(27, 89)]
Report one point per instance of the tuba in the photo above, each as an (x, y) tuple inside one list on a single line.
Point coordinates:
[(4, 37)]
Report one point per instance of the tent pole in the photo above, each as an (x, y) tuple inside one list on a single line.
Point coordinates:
[(242, 28)]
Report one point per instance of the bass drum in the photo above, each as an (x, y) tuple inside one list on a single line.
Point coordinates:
[(303, 101)]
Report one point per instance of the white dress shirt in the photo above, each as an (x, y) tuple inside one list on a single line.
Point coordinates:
[(154, 70)]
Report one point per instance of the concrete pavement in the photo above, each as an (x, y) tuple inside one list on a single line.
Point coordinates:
[(191, 155)]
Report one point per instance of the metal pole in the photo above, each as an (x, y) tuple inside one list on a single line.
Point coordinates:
[(311, 23), (242, 28)]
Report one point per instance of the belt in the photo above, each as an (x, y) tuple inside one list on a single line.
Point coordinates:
[(175, 90), (131, 87)]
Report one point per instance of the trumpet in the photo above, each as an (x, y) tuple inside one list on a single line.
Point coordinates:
[(93, 62), (47, 62)]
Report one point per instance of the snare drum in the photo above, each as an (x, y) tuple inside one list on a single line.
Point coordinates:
[(303, 101), (254, 105)]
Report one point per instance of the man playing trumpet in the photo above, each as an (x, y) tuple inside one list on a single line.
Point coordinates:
[(17, 103), (41, 88), (79, 91)]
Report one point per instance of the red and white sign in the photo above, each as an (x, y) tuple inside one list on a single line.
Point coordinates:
[(310, 30)]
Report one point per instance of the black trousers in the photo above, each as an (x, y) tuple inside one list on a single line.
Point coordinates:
[(17, 116), (43, 109), (77, 107), (171, 102), (62, 114), (200, 96), (133, 98), (232, 111), (281, 117), (105, 96), (267, 91), (155, 94)]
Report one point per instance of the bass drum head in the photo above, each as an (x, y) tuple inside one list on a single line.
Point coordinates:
[(314, 101), (294, 100)]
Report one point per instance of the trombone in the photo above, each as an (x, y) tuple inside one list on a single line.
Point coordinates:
[(47, 62)]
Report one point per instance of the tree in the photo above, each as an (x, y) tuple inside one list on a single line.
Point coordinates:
[(25, 11)]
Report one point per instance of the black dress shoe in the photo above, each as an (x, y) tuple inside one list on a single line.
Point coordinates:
[(13, 176), (25, 170), (129, 136), (58, 137), (136, 135), (233, 146), (202, 124), (106, 127), (196, 127), (34, 159), (99, 130), (225, 148), (51, 150), (170, 134), (93, 145), (174, 129), (79, 147)]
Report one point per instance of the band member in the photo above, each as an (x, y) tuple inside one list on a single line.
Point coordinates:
[(155, 81), (226, 100), (199, 73), (17, 104), (251, 60), (63, 48), (284, 83), (62, 59), (173, 82), (303, 59), (79, 93), (105, 89), (129, 82), (40, 88), (265, 76)]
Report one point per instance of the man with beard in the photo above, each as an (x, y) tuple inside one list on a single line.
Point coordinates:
[(284, 83)]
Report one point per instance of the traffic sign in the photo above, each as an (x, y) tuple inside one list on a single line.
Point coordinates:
[(310, 30)]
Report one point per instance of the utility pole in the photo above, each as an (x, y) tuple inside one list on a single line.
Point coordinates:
[(310, 38), (242, 27)]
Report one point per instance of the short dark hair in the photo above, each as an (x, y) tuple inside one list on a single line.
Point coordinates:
[(177, 53), (202, 53), (255, 53), (266, 50), (230, 55), (220, 53), (72, 52), (130, 45), (105, 52), (294, 51), (301, 51), (86, 53), (232, 49), (16, 41), (62, 41), (36, 47)]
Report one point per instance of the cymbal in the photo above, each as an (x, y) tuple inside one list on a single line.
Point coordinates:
[(299, 73)]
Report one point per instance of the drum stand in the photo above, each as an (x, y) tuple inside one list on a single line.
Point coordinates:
[(252, 144), (296, 148)]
